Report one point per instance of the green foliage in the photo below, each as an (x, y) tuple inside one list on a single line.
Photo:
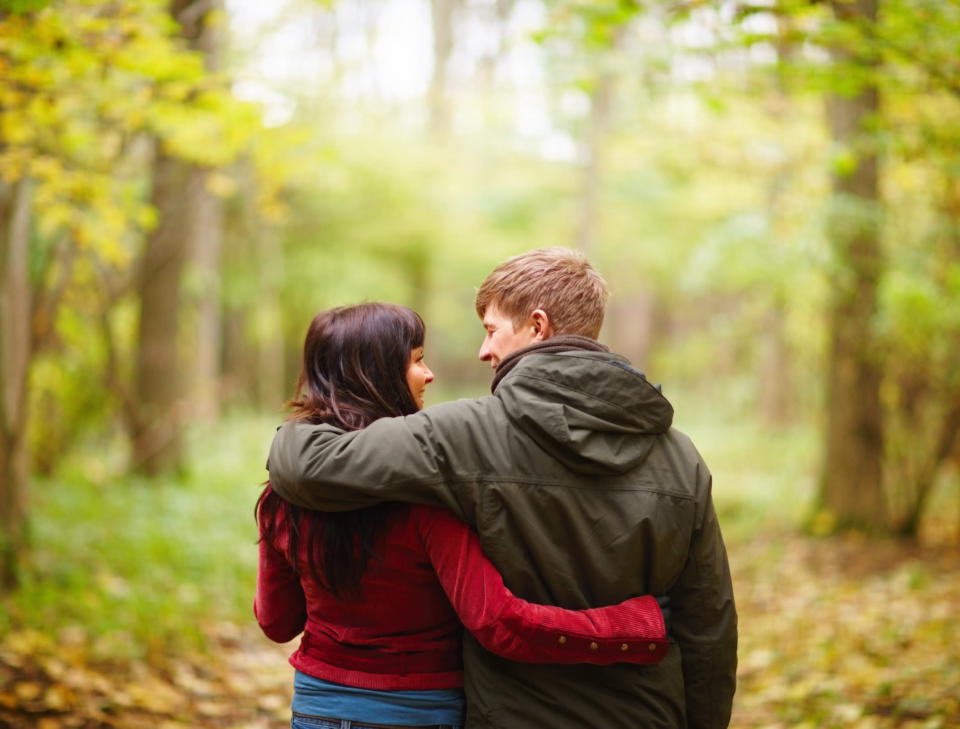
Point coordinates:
[(712, 198), (378, 217), (84, 87), (68, 103), (909, 55), (82, 82), (143, 569), (22, 6), (763, 477)]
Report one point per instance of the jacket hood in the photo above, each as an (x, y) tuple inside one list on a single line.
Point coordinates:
[(592, 411)]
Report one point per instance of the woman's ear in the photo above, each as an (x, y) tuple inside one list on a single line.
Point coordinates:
[(542, 328)]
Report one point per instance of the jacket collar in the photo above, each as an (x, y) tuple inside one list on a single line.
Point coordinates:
[(559, 343)]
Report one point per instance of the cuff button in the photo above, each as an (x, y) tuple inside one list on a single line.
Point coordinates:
[(562, 639), (593, 646), (652, 647)]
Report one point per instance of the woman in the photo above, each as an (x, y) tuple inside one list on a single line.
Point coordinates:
[(380, 593)]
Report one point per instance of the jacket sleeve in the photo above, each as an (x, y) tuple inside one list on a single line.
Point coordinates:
[(411, 459), (631, 632), (703, 620), (279, 605)]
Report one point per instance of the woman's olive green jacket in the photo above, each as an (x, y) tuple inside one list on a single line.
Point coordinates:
[(583, 495)]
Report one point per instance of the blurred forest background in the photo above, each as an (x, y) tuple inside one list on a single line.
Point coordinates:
[(770, 187)]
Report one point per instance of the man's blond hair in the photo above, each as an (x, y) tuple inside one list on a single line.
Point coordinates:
[(558, 280)]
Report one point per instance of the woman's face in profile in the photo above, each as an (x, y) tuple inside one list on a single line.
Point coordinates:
[(418, 375)]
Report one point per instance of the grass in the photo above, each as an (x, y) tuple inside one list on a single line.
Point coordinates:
[(134, 568)]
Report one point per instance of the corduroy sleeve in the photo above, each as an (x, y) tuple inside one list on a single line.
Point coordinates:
[(630, 632)]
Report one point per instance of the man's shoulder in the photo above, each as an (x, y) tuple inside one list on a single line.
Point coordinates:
[(464, 410), (465, 403), (676, 447)]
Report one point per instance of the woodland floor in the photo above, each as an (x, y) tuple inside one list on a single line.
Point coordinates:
[(833, 633)]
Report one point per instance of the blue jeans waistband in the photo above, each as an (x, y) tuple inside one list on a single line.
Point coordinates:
[(326, 722)]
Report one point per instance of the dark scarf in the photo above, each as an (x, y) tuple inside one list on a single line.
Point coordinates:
[(559, 343)]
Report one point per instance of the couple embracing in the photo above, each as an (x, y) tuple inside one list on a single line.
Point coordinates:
[(543, 518)]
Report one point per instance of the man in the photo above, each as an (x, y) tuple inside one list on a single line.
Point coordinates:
[(582, 493)]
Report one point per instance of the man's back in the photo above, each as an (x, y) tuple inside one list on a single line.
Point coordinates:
[(582, 496)]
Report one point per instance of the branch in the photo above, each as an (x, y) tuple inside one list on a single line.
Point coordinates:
[(948, 81), (46, 300), (111, 375), (193, 12)]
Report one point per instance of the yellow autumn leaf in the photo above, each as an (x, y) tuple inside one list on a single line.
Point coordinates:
[(154, 695), (58, 698), (27, 642), (27, 690), (213, 708)]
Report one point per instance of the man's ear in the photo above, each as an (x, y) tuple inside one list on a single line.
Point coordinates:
[(542, 328)]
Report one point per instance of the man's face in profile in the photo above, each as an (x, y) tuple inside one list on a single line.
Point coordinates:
[(502, 338)]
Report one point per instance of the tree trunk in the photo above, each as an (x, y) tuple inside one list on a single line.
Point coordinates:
[(272, 387), (776, 383), (205, 236), (774, 372), (630, 325), (161, 394), (15, 314), (206, 241), (601, 100), (946, 444), (487, 65), (188, 231), (442, 15), (851, 487)]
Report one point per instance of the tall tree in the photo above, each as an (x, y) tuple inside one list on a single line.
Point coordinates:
[(591, 154), (72, 83), (160, 383), (189, 229), (442, 13), (851, 489), (15, 333), (14, 360), (204, 29)]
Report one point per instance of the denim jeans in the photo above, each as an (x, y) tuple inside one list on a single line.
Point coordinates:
[(301, 721)]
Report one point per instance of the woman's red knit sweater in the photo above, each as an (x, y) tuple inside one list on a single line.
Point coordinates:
[(403, 632)]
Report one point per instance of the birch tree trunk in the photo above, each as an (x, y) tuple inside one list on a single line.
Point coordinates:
[(442, 12), (15, 315), (205, 238), (591, 181)]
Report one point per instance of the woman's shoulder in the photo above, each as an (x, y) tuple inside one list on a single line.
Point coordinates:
[(425, 511), (425, 518)]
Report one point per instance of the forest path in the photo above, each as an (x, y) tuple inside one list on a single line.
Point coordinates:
[(837, 632), (244, 683)]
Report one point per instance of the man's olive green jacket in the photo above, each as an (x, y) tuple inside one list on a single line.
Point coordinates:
[(583, 495)]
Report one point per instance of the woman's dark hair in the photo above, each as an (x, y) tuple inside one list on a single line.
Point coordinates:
[(355, 361)]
